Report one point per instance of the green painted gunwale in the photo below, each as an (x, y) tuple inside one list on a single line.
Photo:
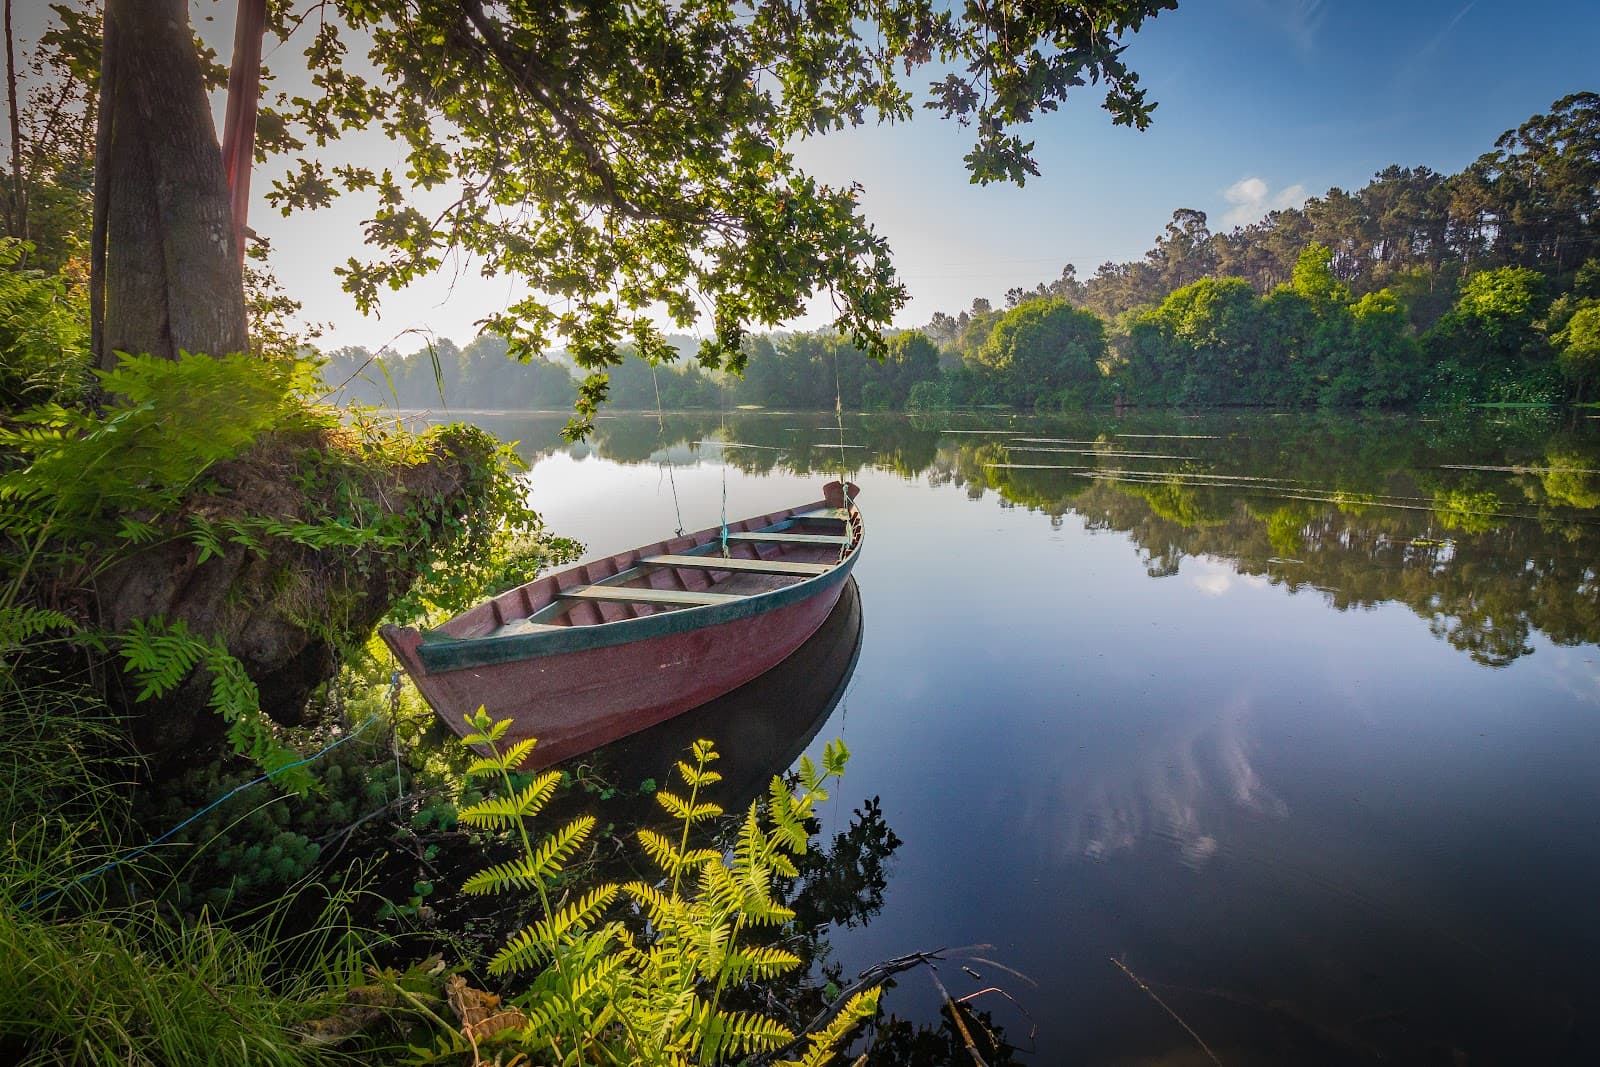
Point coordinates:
[(440, 654)]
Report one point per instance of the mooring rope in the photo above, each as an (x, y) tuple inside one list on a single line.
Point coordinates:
[(844, 480), (661, 436), (229, 795)]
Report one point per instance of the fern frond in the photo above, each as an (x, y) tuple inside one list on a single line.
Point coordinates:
[(787, 818), (485, 730), (501, 762), (654, 902), (760, 962), (697, 777), (859, 1009), (718, 891), (834, 757), (531, 871), (542, 941), (500, 812), (599, 978), (666, 855), (756, 898), (681, 810), (726, 1034), (160, 656), (21, 624)]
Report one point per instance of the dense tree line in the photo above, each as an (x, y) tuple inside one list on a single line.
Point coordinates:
[(442, 375), (791, 370), (1533, 201), (1418, 288)]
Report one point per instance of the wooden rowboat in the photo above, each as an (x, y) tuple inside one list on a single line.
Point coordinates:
[(597, 652), (760, 728)]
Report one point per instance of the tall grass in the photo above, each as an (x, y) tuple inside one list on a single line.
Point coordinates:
[(82, 982), (130, 987)]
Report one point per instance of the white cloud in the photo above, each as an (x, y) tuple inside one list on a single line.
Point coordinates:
[(1252, 198)]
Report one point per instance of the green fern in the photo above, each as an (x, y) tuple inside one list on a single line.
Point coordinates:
[(824, 1045), (533, 945), (606, 995), (21, 624), (533, 870), (160, 657), (499, 813)]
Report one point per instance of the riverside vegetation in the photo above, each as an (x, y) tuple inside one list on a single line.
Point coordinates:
[(197, 546), (1419, 290)]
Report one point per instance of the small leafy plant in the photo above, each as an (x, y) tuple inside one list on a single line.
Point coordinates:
[(607, 992)]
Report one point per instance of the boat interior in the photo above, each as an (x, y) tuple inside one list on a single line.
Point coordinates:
[(763, 553)]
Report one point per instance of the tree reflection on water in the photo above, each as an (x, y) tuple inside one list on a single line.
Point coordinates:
[(1488, 529)]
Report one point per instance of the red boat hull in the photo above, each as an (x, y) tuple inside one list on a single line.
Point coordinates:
[(581, 700), (576, 674)]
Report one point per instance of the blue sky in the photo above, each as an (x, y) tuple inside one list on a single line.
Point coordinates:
[(1262, 102), (1271, 101)]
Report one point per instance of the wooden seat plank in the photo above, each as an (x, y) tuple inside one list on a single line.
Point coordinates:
[(795, 538), (624, 594), (752, 566), (517, 627)]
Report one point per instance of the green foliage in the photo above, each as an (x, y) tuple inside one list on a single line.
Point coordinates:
[(44, 347), (1580, 348), (481, 375), (88, 982), (127, 987), (603, 993), (654, 170), (811, 370), (160, 657), (1313, 276), (86, 491), (1523, 219), (1502, 299), (1044, 346), (85, 487)]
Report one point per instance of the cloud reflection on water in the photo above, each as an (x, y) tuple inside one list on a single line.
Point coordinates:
[(1182, 789)]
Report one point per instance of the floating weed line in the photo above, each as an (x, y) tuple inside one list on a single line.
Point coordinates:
[(1517, 469), (741, 444), (1054, 441), (135, 853), (1108, 455), (1277, 488)]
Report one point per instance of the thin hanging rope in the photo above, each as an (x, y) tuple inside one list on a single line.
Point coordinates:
[(844, 480), (723, 404), (661, 436)]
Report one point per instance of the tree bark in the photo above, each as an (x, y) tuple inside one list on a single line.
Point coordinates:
[(171, 280), (19, 186), (239, 124)]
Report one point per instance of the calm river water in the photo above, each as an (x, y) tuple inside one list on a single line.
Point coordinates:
[(1296, 717)]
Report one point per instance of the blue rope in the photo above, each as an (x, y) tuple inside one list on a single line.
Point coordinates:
[(229, 795), (724, 510)]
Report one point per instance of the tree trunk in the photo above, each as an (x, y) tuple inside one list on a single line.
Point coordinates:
[(19, 186), (170, 276)]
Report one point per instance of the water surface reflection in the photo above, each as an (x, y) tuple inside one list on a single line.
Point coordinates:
[(1297, 717)]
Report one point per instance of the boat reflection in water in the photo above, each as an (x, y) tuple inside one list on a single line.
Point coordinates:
[(760, 729)]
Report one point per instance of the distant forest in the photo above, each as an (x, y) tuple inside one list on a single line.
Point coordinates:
[(1420, 289)]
